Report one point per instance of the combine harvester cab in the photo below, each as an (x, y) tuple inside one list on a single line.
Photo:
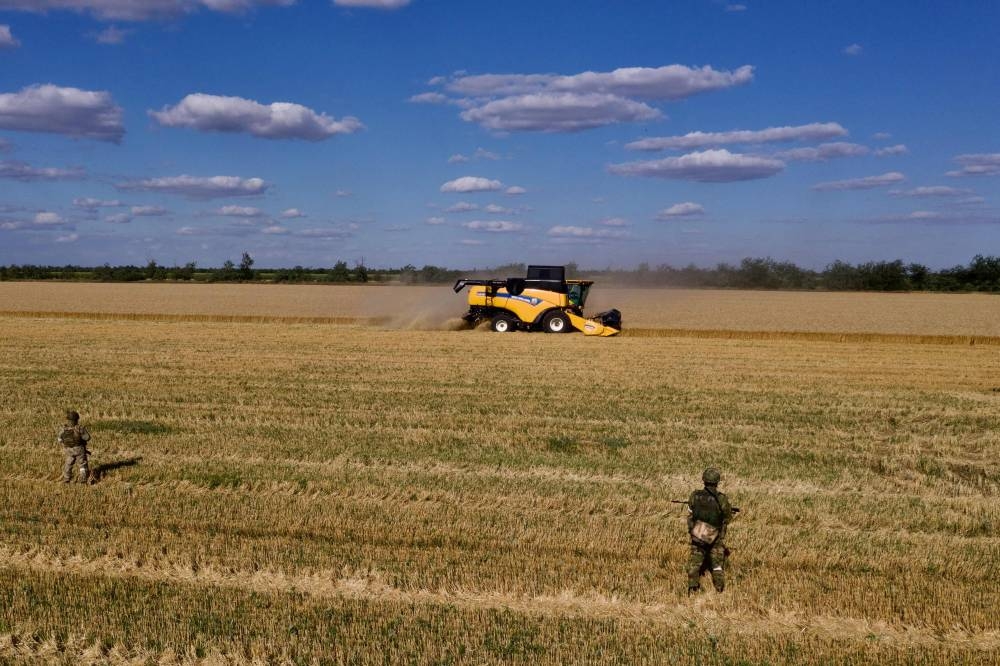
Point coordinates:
[(545, 301)]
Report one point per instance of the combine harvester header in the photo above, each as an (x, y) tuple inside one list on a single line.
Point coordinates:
[(545, 301)]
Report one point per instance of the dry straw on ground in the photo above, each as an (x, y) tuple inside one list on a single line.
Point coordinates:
[(273, 491)]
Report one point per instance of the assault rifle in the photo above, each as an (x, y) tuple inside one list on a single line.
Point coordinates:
[(735, 509)]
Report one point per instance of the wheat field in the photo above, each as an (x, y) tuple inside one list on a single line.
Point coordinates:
[(926, 314), (291, 491)]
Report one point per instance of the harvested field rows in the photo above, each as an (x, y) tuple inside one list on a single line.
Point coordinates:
[(287, 491)]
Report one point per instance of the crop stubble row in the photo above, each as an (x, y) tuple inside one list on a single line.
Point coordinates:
[(448, 466)]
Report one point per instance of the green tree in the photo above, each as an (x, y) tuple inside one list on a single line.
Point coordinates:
[(228, 271), (340, 272), (246, 267)]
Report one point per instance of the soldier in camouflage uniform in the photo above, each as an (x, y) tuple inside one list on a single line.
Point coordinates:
[(74, 438), (709, 513)]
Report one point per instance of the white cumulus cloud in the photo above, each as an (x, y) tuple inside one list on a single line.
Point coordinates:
[(7, 40), (558, 112), (931, 191), (112, 35), (483, 154), (571, 103), (493, 226), (68, 238), (824, 152), (587, 233), (667, 82), (70, 111), (372, 4), (710, 166), (275, 230), (24, 172), (148, 211), (195, 187), (93, 204), (686, 209), (515, 190), (292, 213), (471, 184), (279, 120), (429, 98), (118, 218), (239, 211), (461, 207), (691, 140), (434, 221), (140, 10), (47, 218), (853, 50), (866, 183), (898, 149), (977, 164)]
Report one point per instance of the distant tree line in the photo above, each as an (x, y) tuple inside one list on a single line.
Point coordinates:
[(980, 274)]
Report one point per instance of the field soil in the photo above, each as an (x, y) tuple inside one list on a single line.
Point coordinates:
[(282, 491)]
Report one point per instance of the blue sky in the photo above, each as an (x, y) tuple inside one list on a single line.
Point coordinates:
[(473, 134)]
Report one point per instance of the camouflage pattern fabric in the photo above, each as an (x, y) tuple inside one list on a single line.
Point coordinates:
[(713, 559), (76, 454), (712, 507)]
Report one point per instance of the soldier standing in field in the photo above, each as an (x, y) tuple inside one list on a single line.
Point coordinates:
[(709, 513), (74, 438)]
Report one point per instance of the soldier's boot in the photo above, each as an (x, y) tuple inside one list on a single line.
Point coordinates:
[(718, 578), (694, 580)]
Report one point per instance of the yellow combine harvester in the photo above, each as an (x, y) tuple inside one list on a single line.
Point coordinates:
[(545, 301)]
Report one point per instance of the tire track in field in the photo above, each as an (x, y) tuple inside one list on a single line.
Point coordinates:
[(708, 612)]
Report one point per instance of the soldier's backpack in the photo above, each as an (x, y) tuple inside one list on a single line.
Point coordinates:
[(70, 437), (704, 534), (707, 513)]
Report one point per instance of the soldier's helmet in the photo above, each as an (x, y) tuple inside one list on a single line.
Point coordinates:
[(72, 416), (711, 476)]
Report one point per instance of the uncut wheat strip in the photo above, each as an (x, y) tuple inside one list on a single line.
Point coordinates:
[(813, 336), (173, 317), (724, 334), (367, 586)]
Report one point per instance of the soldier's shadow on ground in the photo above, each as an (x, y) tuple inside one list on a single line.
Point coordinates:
[(100, 471)]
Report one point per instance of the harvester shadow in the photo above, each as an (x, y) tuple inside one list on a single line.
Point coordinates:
[(100, 471)]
